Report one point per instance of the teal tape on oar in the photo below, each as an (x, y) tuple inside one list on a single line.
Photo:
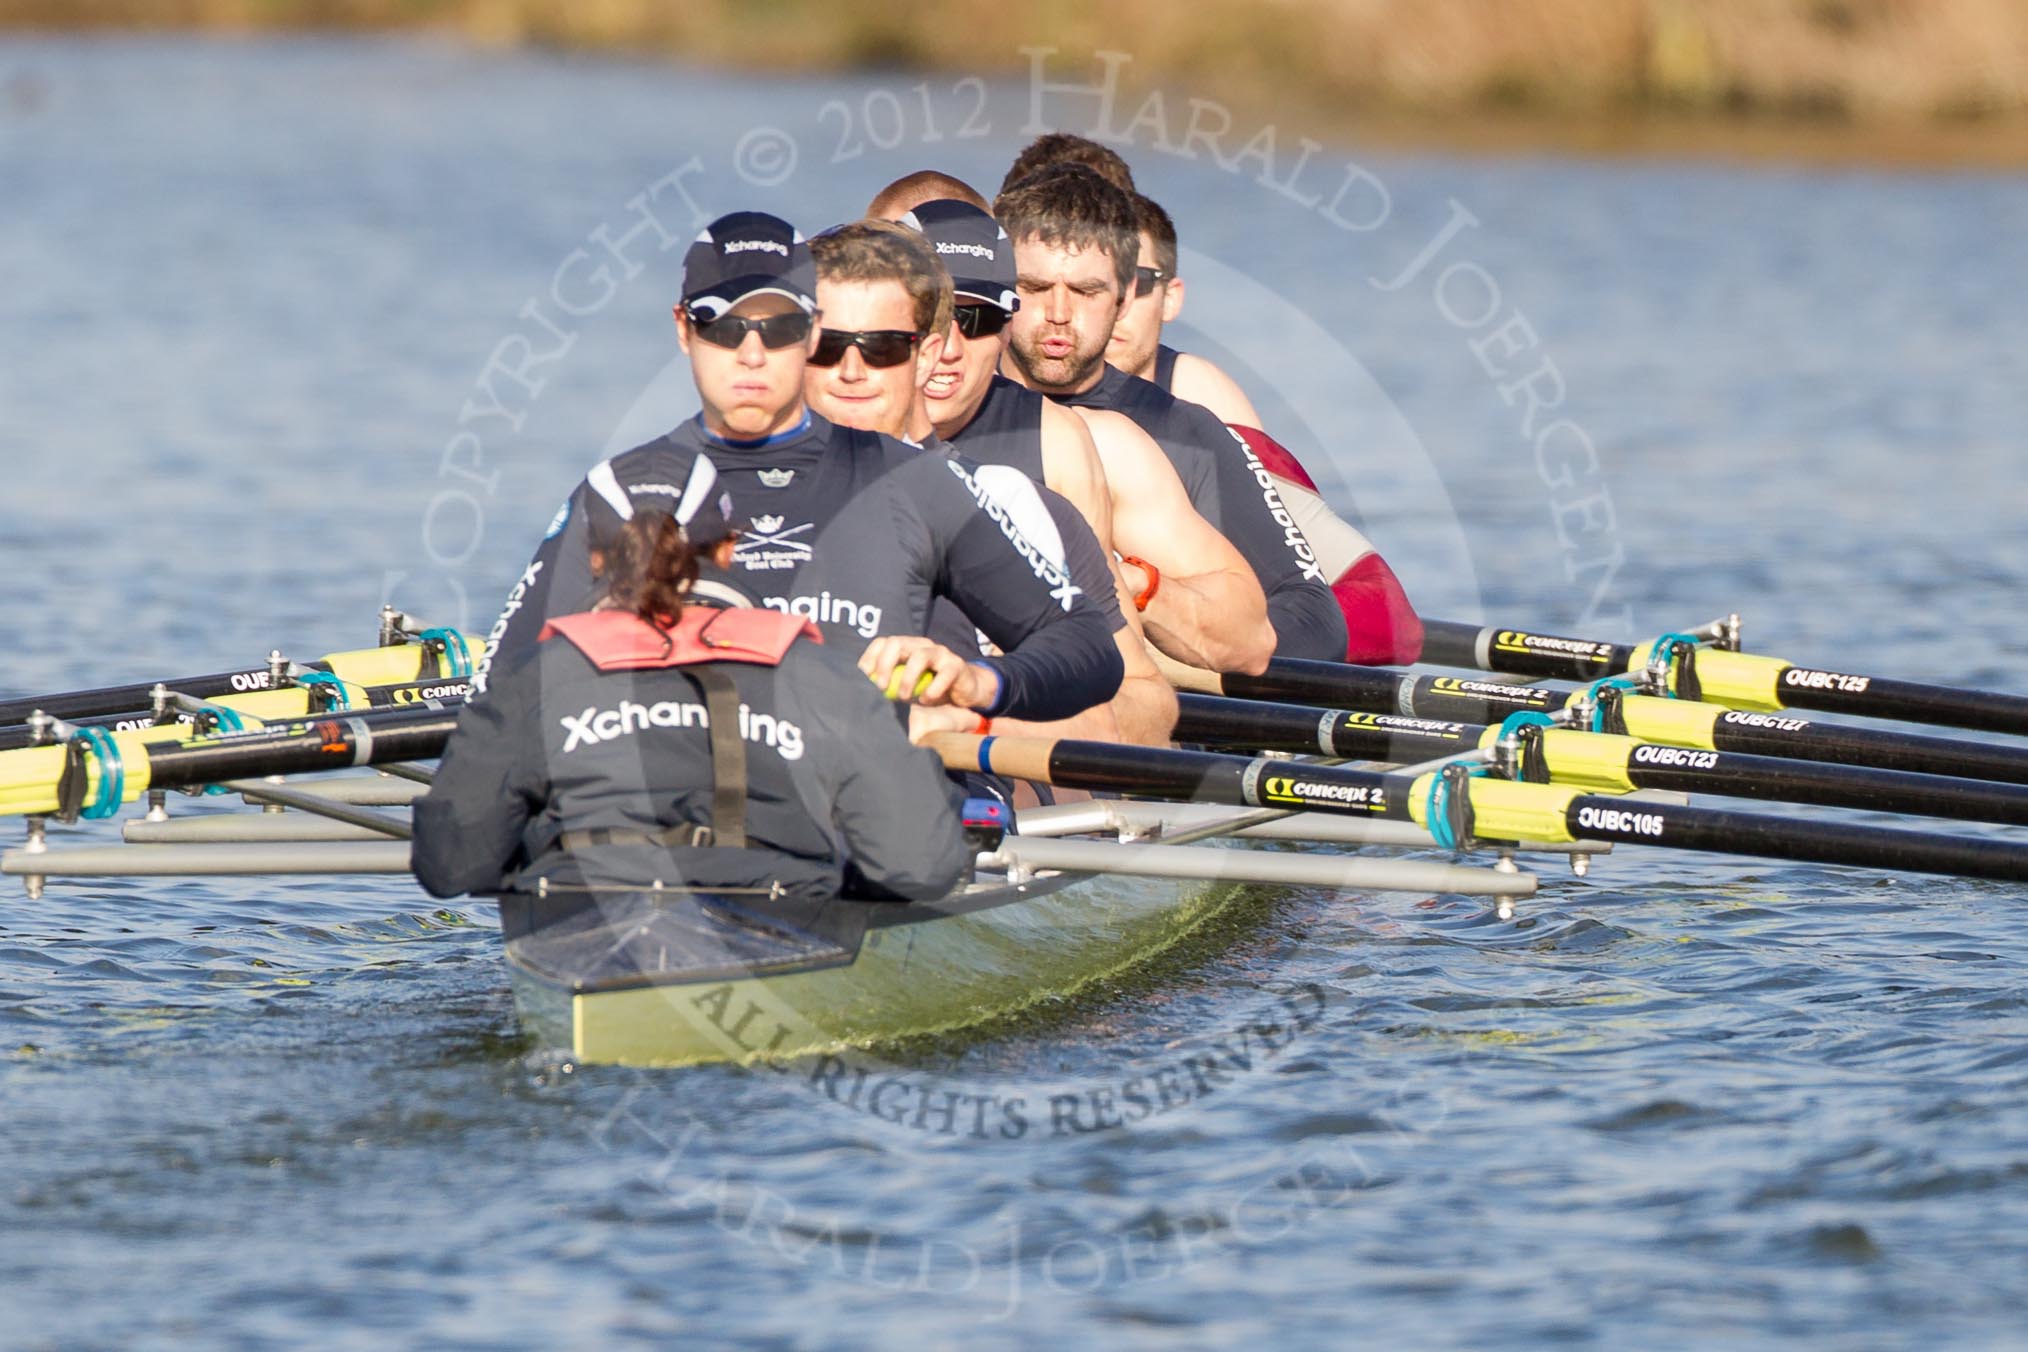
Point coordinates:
[(453, 645), (324, 680), (112, 772)]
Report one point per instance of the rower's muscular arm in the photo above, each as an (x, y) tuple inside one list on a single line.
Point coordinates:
[(1209, 610), (1199, 382), (1144, 711), (1071, 466)]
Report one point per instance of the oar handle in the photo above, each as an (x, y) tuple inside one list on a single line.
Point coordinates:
[(1016, 757)]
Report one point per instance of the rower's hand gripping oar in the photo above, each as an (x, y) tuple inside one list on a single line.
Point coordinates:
[(1457, 806), (1706, 665)]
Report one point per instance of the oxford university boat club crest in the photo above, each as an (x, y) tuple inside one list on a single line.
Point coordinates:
[(777, 478), (769, 546)]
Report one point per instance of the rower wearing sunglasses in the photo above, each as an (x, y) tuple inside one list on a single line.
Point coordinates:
[(887, 307), (1075, 249), (854, 531)]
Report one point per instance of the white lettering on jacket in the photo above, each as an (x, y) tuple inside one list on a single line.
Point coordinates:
[(595, 725), (499, 629), (1292, 534), (825, 608), (1009, 498)]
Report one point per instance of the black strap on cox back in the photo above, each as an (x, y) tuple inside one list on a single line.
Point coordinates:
[(728, 755), (727, 826)]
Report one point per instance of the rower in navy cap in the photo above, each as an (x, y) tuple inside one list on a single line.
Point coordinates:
[(852, 530)]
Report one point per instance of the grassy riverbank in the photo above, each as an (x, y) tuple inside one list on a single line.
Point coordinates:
[(1896, 80)]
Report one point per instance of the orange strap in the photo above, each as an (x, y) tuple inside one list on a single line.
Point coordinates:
[(1154, 580)]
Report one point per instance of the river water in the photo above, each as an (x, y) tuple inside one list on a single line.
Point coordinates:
[(291, 328)]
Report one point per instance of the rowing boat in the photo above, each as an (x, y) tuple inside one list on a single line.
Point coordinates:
[(678, 980), (663, 978)]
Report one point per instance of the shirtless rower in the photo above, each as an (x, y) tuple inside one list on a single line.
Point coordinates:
[(853, 530), (1195, 594), (1198, 598), (1380, 624), (878, 284), (1075, 247)]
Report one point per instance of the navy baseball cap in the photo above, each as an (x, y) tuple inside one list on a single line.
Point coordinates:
[(686, 488), (972, 247), (747, 253)]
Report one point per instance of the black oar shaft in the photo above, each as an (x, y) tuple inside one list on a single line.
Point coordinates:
[(1836, 692), (1601, 817), (1373, 690), (1328, 732), (1794, 738), (1519, 652), (121, 699), (412, 693), (1753, 682), (1799, 781), (1198, 776), (299, 746)]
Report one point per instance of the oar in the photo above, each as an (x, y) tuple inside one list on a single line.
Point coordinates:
[(1341, 685), (1738, 680), (97, 771), (447, 657), (1666, 721), (1472, 807), (262, 706), (1611, 762)]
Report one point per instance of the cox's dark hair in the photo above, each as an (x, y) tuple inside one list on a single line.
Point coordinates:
[(652, 565)]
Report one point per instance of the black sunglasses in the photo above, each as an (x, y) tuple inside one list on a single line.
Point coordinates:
[(880, 347), (776, 331), (1146, 280), (980, 321)]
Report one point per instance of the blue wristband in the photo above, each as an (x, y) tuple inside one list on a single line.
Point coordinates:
[(998, 704)]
